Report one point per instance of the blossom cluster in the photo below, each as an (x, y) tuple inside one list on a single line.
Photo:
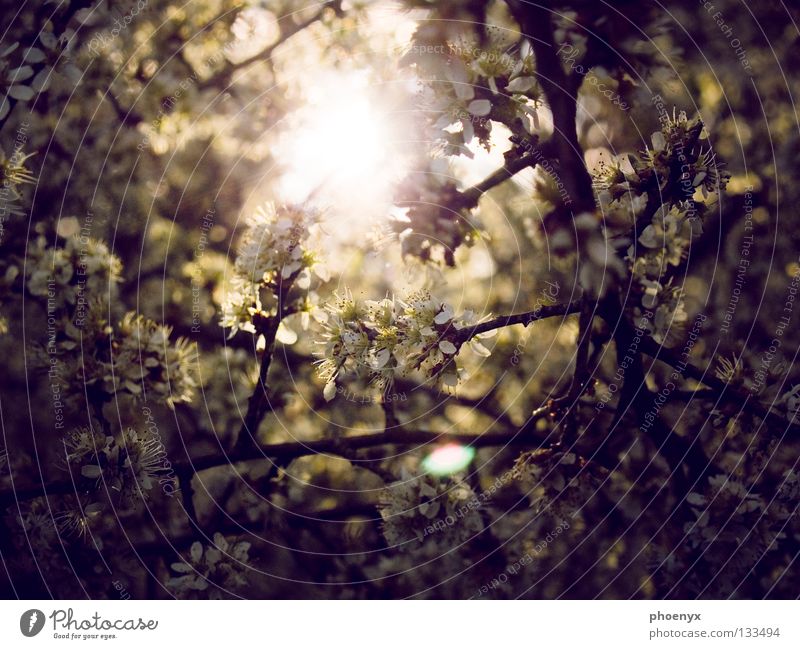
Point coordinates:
[(67, 275), (677, 172), (136, 357), (675, 180), (211, 572), (663, 243), (410, 506), (393, 337), (126, 467), (276, 251), (679, 160), (557, 481), (145, 359), (468, 84), (13, 174)]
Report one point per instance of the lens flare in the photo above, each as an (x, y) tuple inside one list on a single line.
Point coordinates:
[(448, 459)]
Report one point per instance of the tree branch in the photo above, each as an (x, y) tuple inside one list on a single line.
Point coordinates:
[(287, 451), (469, 197), (580, 377), (635, 395), (266, 326), (560, 91), (544, 311), (223, 76)]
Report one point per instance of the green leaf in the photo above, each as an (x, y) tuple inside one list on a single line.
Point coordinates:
[(181, 567), (21, 73), (91, 471), (41, 81), (196, 551), (695, 499), (21, 93), (33, 55)]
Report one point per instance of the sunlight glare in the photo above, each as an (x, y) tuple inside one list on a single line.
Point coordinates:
[(340, 147)]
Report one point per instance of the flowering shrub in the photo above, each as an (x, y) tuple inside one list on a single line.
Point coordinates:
[(215, 571), (136, 358), (392, 337), (419, 506), (127, 466), (557, 482), (277, 249), (82, 267)]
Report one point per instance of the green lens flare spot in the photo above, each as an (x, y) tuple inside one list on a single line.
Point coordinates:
[(448, 459)]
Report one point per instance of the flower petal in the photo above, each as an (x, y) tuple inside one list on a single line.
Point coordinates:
[(480, 107), (285, 335)]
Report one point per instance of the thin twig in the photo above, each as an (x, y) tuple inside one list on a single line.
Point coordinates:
[(187, 498), (266, 326), (470, 196), (580, 377), (544, 311), (224, 75)]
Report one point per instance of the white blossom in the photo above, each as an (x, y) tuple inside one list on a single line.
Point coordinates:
[(392, 337), (279, 244)]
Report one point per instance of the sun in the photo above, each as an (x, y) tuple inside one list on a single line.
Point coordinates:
[(340, 147)]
